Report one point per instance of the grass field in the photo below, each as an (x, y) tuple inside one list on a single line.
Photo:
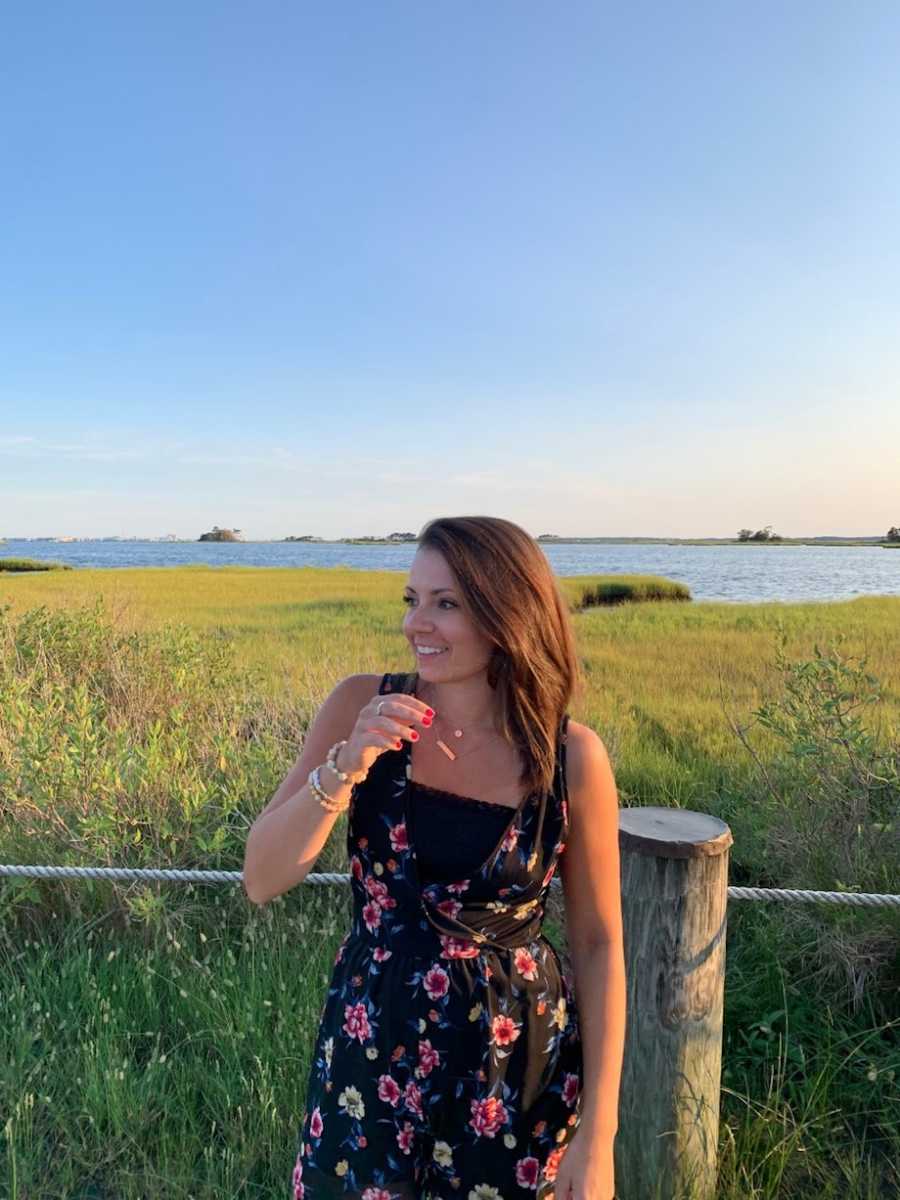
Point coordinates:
[(156, 1039)]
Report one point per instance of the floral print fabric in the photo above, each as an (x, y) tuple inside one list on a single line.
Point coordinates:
[(448, 1058)]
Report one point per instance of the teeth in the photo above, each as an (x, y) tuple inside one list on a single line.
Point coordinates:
[(430, 650)]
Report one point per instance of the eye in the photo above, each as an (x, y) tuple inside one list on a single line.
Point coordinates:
[(411, 600)]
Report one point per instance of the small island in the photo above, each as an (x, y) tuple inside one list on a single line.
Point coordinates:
[(221, 535)]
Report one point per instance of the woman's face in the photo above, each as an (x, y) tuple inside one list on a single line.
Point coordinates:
[(436, 620)]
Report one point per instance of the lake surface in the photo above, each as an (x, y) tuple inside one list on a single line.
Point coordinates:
[(733, 573)]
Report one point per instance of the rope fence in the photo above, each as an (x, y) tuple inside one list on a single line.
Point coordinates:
[(789, 895)]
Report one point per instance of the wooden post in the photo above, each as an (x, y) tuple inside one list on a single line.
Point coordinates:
[(674, 869)]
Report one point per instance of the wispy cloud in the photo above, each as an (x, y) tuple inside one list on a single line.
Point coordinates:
[(32, 447), (144, 449)]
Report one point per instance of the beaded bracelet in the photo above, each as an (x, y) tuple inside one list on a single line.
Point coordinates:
[(327, 802), (331, 761)]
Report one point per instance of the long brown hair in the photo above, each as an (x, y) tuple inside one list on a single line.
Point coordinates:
[(512, 595)]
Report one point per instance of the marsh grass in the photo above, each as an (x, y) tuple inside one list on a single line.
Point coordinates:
[(31, 564), (155, 1038), (586, 591)]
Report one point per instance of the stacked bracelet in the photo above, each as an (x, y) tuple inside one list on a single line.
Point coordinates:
[(331, 761), (327, 802)]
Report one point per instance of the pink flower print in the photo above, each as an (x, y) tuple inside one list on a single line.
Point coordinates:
[(379, 892), (504, 1030), (388, 1090), (458, 888), (511, 839), (356, 867), (397, 834), (315, 1123), (449, 908), (297, 1179), (380, 954), (437, 983), (527, 1171), (405, 1137), (428, 1058), (356, 1021), (551, 1166), (549, 875), (452, 947), (570, 1089), (371, 915), (412, 1098), (376, 1193), (488, 1116), (526, 964)]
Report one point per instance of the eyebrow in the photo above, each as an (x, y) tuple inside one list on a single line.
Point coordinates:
[(434, 591)]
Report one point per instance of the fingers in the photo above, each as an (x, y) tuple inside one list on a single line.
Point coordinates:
[(387, 721), (404, 708), (393, 727), (383, 740)]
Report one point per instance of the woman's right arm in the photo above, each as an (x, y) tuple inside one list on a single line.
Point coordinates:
[(286, 838)]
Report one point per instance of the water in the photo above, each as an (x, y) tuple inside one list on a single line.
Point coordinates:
[(733, 573)]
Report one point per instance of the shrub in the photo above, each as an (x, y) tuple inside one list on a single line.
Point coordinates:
[(828, 809)]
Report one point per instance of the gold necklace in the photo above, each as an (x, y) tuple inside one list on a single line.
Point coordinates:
[(458, 734)]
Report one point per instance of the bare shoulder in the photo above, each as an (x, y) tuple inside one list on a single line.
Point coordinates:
[(357, 690), (590, 865), (585, 754)]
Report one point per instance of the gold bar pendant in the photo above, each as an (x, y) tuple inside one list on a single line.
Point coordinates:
[(446, 749)]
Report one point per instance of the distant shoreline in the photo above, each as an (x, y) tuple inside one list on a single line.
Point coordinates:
[(549, 541)]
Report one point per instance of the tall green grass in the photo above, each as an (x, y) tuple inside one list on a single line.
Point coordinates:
[(156, 1037)]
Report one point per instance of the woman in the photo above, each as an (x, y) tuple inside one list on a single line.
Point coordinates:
[(451, 1059)]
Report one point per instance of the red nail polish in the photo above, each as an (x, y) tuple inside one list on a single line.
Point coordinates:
[(414, 736), (426, 720), (397, 745), (429, 712)]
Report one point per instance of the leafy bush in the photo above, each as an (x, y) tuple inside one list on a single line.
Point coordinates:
[(828, 809)]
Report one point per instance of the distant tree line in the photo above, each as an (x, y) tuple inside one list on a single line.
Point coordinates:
[(893, 534)]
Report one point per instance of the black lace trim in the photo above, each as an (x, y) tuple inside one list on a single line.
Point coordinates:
[(455, 798)]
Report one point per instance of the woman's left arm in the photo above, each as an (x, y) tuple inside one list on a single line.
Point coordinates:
[(589, 868)]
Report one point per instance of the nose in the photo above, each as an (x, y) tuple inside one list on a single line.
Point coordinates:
[(415, 624)]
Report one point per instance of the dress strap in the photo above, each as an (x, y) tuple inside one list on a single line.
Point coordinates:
[(561, 788), (394, 682)]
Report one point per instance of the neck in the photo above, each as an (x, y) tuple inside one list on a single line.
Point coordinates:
[(469, 704)]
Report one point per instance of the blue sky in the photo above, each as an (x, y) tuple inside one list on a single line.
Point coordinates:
[(338, 269)]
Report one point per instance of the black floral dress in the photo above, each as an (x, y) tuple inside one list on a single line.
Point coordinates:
[(448, 1058)]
